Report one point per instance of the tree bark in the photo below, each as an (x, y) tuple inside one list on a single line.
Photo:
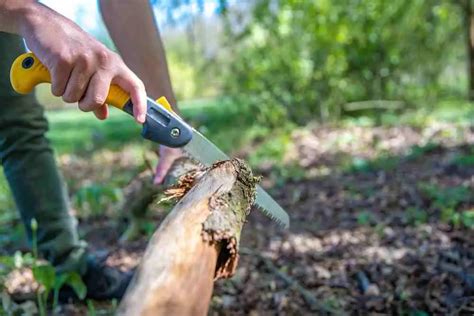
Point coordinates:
[(469, 27), (196, 243)]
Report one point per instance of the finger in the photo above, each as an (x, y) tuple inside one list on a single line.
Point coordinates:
[(135, 88), (161, 171), (60, 72), (167, 158), (96, 92), (78, 81), (102, 113)]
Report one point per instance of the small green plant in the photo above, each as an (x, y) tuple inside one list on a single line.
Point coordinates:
[(467, 218), (418, 151), (384, 162), (416, 216), (271, 150), (449, 197), (284, 173), (458, 219), (364, 218), (447, 200), (45, 274), (379, 229), (464, 160), (91, 308), (417, 312), (94, 200)]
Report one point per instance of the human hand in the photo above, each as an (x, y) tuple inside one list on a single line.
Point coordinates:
[(82, 69), (167, 157)]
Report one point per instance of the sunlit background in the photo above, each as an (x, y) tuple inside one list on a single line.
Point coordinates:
[(357, 114)]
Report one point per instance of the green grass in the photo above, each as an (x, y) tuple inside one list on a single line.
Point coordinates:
[(444, 111), (230, 126), (74, 131)]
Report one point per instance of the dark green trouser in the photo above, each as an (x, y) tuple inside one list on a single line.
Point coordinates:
[(31, 170)]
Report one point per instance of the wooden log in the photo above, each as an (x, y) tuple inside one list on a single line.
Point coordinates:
[(196, 244)]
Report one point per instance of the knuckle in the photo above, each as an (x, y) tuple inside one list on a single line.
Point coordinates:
[(71, 95), (87, 105), (83, 60), (67, 97), (63, 60), (103, 57), (137, 87), (97, 100), (55, 90), (83, 106), (137, 84), (140, 85)]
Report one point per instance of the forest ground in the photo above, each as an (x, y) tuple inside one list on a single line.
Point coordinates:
[(382, 216)]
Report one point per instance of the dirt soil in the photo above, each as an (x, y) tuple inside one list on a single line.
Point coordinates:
[(367, 240)]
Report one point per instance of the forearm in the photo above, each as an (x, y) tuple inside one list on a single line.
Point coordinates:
[(81, 68), (15, 13), (133, 29)]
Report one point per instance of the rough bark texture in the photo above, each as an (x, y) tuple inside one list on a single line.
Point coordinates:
[(195, 244)]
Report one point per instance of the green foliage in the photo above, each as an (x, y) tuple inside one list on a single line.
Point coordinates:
[(464, 160), (383, 162), (92, 200), (418, 151), (458, 219), (91, 308), (300, 59), (46, 275), (447, 201), (416, 216), (444, 198), (271, 150), (364, 218), (467, 218), (417, 312)]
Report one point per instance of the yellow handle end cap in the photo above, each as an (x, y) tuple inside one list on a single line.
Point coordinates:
[(164, 103)]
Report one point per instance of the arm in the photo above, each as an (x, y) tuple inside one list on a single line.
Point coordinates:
[(132, 26), (81, 68)]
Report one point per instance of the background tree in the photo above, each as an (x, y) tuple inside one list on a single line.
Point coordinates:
[(301, 59)]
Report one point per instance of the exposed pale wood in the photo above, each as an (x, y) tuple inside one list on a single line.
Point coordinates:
[(196, 243)]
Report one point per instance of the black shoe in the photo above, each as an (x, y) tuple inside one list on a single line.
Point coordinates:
[(102, 282)]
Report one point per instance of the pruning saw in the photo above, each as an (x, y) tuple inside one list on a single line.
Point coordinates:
[(162, 125)]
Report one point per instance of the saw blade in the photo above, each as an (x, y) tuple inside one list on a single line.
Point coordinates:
[(207, 153)]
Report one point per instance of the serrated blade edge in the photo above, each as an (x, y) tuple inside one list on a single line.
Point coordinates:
[(207, 153), (267, 203)]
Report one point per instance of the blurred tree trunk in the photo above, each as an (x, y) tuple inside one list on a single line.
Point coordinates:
[(469, 27)]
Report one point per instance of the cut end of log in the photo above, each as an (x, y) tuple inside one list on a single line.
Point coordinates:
[(227, 217), (228, 211)]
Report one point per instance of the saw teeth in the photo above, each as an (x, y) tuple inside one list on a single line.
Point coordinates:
[(270, 215), (203, 150)]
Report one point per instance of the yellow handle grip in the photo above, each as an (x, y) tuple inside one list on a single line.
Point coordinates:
[(27, 72)]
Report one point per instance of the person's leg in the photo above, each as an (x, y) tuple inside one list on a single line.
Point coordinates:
[(39, 192), (31, 170)]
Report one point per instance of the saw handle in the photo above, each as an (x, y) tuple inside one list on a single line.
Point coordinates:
[(27, 72), (161, 125)]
